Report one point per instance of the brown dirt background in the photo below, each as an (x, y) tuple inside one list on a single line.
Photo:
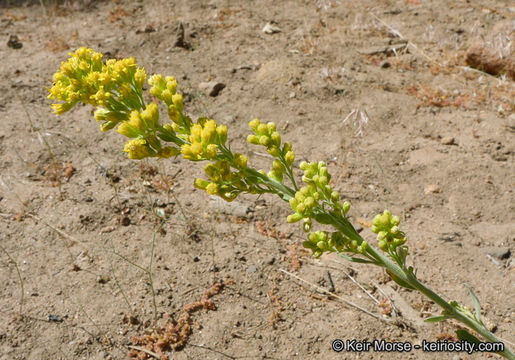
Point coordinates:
[(63, 232)]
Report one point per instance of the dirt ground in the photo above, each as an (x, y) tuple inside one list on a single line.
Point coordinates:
[(427, 137)]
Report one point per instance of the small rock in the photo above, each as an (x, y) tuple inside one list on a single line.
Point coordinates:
[(103, 279), (449, 237), (385, 64), (126, 221), (271, 28), (148, 29), (251, 269), (432, 189), (14, 42), (448, 140), (54, 318), (212, 88), (500, 253), (107, 229), (292, 95)]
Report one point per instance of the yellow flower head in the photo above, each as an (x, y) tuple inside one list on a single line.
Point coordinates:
[(151, 116), (138, 149)]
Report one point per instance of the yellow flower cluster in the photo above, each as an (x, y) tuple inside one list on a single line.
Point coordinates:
[(224, 182), (204, 139), (268, 136), (165, 89), (320, 242), (387, 229), (115, 86), (307, 200)]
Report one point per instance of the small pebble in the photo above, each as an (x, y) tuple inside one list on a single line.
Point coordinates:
[(432, 189), (448, 140), (500, 253), (212, 88)]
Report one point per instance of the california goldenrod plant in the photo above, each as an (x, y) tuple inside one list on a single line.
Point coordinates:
[(115, 88)]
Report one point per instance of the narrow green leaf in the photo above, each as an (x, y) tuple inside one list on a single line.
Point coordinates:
[(475, 300), (465, 335), (437, 318), (355, 259), (323, 219)]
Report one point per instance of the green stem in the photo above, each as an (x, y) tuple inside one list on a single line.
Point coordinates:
[(408, 277), (284, 192)]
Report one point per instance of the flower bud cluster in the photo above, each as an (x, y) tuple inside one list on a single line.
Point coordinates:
[(143, 126), (267, 135), (224, 182), (115, 86), (165, 89), (320, 242), (318, 190), (204, 139), (387, 229)]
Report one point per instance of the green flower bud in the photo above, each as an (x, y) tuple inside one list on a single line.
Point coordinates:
[(287, 146), (377, 220), (303, 166), (264, 140), (254, 124), (276, 138), (309, 202), (301, 208), (212, 189), (398, 242), (201, 184), (211, 151), (345, 207), (277, 166), (382, 245), (306, 227), (271, 127), (394, 230), (221, 130), (177, 101), (381, 236), (293, 203), (323, 180), (299, 196), (304, 190), (396, 220), (273, 150), (293, 218), (241, 160), (167, 97), (312, 237), (322, 245), (374, 229), (316, 195), (289, 157), (253, 139), (262, 129)]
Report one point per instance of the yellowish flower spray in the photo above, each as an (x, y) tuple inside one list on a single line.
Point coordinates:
[(115, 87)]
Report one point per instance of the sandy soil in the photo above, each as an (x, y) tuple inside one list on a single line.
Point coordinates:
[(77, 218)]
